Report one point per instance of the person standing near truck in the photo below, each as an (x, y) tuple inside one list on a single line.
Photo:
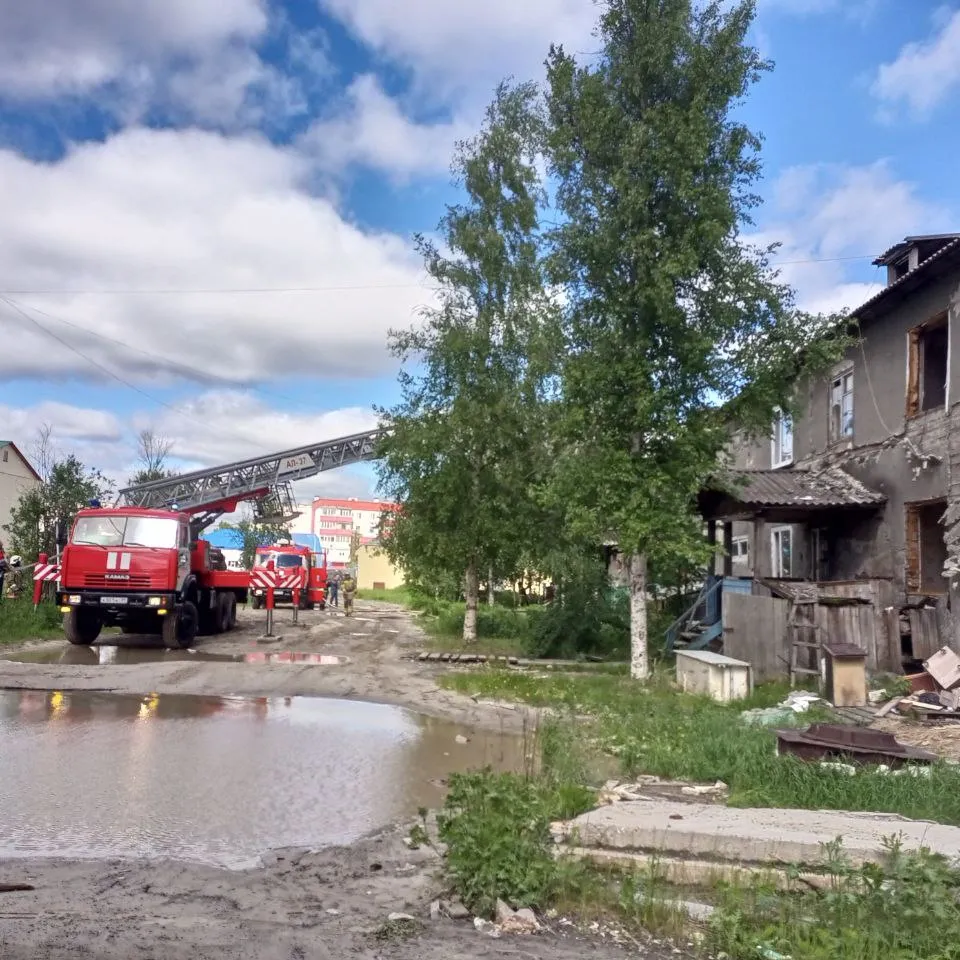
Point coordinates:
[(349, 589), (334, 587)]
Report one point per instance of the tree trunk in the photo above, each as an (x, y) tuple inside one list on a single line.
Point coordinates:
[(491, 600), (472, 592), (639, 662)]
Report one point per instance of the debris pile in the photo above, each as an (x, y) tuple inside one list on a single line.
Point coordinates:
[(797, 702), (935, 693), (830, 743)]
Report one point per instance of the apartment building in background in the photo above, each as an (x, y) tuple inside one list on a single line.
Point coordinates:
[(17, 476), (337, 521)]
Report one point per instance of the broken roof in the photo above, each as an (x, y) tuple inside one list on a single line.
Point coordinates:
[(898, 250), (829, 488), (935, 266)]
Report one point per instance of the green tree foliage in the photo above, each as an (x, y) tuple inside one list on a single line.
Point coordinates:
[(52, 506), (463, 451), (254, 534), (676, 327)]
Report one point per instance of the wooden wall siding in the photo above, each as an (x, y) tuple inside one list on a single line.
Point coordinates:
[(755, 630), (925, 632), (882, 645), (755, 626)]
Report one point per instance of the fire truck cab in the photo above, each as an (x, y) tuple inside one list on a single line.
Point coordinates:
[(141, 570), (289, 558)]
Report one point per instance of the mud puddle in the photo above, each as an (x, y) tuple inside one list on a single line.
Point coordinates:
[(218, 780), (106, 654)]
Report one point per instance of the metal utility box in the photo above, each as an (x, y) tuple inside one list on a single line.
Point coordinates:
[(713, 674), (845, 674)]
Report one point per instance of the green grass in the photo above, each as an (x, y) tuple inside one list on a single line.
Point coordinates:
[(403, 596), (651, 728), (19, 621), (502, 629), (496, 830)]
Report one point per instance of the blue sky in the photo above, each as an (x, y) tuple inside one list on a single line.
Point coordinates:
[(206, 206)]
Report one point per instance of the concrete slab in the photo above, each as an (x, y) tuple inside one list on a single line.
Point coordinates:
[(764, 836)]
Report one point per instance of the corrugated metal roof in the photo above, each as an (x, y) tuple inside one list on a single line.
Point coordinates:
[(831, 487), (912, 277)]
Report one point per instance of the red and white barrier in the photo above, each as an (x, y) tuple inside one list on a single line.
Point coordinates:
[(46, 572), (263, 577)]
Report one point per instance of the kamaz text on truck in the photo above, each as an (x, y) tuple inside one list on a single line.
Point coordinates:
[(142, 570)]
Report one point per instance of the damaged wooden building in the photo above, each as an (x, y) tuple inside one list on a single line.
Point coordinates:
[(844, 526)]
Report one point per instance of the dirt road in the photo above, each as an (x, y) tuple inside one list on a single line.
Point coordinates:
[(303, 906), (299, 905), (374, 644)]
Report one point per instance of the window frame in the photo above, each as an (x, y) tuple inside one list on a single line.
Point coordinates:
[(776, 439), (738, 556), (776, 553), (841, 378), (915, 372)]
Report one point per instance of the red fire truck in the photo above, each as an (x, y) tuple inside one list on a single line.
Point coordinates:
[(296, 566), (142, 565)]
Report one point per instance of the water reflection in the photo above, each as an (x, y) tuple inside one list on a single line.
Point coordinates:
[(108, 654), (216, 779)]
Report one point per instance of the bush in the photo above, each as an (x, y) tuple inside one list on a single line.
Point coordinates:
[(589, 618), (19, 621), (497, 825)]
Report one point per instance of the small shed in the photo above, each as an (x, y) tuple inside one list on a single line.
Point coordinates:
[(713, 674)]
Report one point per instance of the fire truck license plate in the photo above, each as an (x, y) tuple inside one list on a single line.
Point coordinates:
[(114, 600)]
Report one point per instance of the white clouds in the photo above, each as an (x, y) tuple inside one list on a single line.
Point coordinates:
[(51, 47), (213, 428), (467, 46), (75, 424), (150, 210), (370, 130), (924, 73), (829, 218)]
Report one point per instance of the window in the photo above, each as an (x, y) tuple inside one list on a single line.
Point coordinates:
[(740, 552), (841, 407), (927, 366), (781, 547), (116, 531), (6, 456), (781, 450), (926, 550)]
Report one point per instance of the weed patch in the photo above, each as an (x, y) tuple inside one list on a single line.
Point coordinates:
[(19, 621), (905, 909), (651, 728)]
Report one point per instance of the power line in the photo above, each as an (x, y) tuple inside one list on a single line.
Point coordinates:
[(116, 376), (193, 372), (189, 291)]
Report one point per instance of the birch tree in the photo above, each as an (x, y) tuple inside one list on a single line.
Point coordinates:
[(677, 327), (459, 456)]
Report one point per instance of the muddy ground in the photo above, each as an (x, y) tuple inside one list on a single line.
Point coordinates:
[(304, 906), (376, 643), (300, 905)]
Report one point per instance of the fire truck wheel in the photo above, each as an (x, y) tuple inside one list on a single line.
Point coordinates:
[(256, 602), (180, 631), (223, 609), (233, 610), (82, 627)]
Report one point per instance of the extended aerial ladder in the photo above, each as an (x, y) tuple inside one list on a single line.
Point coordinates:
[(264, 481)]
